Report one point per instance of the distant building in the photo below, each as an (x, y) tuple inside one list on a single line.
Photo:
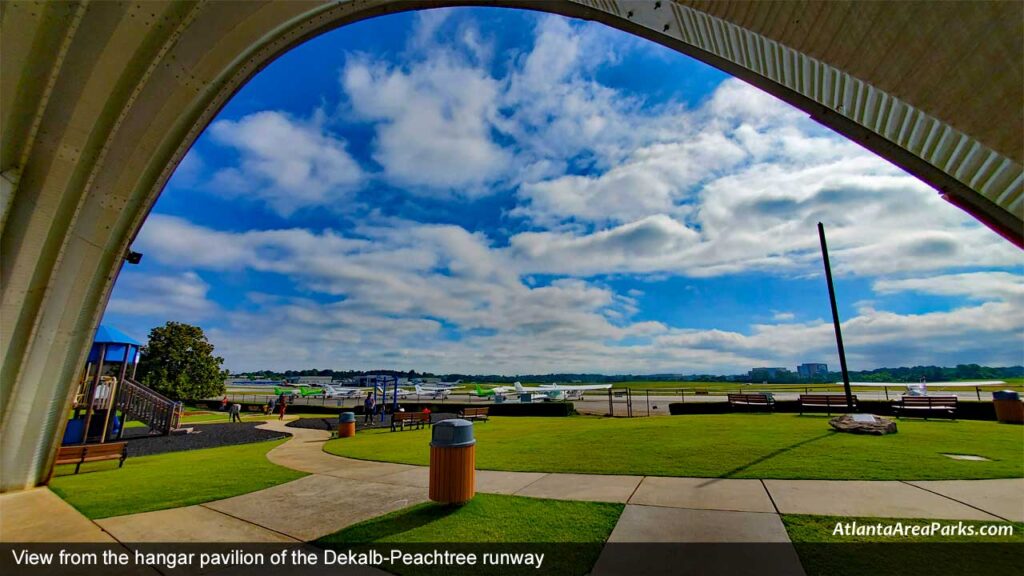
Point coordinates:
[(313, 380), (812, 370), (768, 373)]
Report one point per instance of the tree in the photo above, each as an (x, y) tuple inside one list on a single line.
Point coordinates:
[(178, 362)]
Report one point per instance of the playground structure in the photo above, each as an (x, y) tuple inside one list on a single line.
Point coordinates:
[(380, 391), (108, 395)]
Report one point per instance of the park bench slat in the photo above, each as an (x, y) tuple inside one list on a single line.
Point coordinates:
[(826, 401), (927, 404), (752, 400), (77, 455), (474, 413), (417, 419)]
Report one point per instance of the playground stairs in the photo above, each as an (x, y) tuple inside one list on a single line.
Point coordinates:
[(138, 402)]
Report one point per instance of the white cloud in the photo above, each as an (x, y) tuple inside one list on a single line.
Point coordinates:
[(432, 122), (974, 285), (396, 296), (287, 163), (180, 296)]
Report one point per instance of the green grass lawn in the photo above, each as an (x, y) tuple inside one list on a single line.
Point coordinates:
[(169, 480), (571, 534), (726, 445), (822, 552)]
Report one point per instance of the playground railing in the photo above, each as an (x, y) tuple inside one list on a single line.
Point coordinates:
[(138, 402)]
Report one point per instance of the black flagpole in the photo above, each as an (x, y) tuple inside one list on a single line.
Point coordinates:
[(835, 316)]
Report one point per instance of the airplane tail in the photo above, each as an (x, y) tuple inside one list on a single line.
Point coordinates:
[(419, 389), (519, 387)]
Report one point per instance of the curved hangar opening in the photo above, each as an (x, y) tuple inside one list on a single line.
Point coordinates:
[(100, 101)]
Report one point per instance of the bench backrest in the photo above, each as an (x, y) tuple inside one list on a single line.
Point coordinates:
[(112, 448), (474, 411), (826, 399), (759, 398), (929, 401), (399, 416)]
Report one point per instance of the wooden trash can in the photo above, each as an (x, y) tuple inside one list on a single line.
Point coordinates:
[(1009, 408), (452, 462), (347, 425)]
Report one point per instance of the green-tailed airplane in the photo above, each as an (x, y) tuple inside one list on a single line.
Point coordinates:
[(299, 391)]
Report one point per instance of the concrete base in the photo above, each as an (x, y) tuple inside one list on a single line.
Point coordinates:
[(189, 524), (698, 542), (39, 515), (866, 498), (317, 505), (496, 482), (704, 494), (596, 488), (1002, 498)]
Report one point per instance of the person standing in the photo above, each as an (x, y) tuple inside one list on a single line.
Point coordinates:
[(271, 404), (368, 407), (224, 404), (236, 413), (282, 406)]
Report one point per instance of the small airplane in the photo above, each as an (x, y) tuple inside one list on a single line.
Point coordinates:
[(302, 391), (433, 392), (496, 392), (559, 391)]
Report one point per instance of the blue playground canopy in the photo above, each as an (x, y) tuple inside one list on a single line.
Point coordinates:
[(118, 344)]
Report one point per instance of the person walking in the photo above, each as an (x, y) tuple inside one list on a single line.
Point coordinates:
[(224, 404), (368, 407), (282, 404), (271, 404), (236, 413)]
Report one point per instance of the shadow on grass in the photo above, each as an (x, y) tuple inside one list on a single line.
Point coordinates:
[(769, 456), (391, 524)]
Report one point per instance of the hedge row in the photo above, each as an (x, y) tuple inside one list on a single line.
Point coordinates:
[(966, 410)]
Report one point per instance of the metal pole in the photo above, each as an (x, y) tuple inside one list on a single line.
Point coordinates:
[(611, 410), (648, 402), (835, 315), (92, 392)]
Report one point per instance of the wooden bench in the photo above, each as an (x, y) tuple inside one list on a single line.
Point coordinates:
[(414, 420), (474, 414), (751, 401), (827, 401), (92, 453), (912, 405)]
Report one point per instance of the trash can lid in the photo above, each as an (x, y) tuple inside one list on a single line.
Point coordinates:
[(452, 434), (348, 416), (1005, 395)]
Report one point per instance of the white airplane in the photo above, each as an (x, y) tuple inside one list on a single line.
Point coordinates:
[(331, 391), (549, 392), (433, 392)]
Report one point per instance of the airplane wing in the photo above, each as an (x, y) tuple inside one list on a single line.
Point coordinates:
[(574, 387)]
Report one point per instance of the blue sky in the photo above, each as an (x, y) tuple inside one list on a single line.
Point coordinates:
[(500, 191)]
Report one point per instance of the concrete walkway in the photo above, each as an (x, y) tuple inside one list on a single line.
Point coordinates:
[(342, 491)]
